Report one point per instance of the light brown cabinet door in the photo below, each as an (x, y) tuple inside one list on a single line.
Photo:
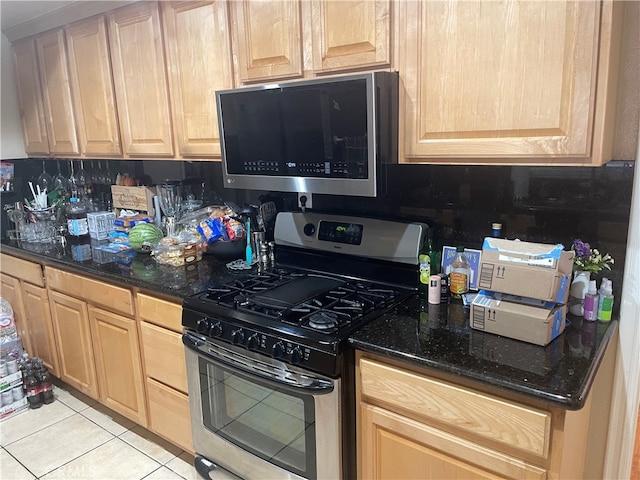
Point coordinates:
[(140, 80), (351, 34), (198, 45), (392, 446), (92, 87), (267, 37), (41, 332), (56, 93), (169, 414), (115, 346), (73, 338), (12, 293), (164, 356), (30, 98), (487, 80)]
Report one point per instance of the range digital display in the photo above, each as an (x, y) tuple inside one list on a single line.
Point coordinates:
[(338, 232)]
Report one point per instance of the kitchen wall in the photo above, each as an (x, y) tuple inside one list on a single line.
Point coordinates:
[(11, 140), (540, 204)]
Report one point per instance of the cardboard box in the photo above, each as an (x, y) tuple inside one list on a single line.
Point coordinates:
[(10, 410), (533, 270), (526, 319), (133, 198)]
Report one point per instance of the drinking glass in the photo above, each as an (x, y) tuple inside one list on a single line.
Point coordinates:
[(170, 197)]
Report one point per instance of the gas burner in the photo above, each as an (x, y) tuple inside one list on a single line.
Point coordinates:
[(323, 320)]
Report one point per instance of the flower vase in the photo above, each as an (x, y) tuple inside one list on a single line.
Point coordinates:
[(579, 288)]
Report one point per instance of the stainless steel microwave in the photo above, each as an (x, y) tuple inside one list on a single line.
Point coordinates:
[(329, 135)]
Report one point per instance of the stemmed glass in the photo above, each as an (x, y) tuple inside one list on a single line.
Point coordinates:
[(45, 181), (59, 181), (73, 181), (109, 177), (81, 177)]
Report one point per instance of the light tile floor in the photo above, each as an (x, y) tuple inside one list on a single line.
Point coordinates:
[(77, 438)]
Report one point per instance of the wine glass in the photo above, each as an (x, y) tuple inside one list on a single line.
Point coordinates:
[(82, 179), (73, 181), (59, 181), (45, 181)]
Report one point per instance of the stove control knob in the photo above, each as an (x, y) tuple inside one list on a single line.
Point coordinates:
[(277, 350), (296, 355), (237, 336), (309, 229), (202, 325), (253, 342), (216, 330)]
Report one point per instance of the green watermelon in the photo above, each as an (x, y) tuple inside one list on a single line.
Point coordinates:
[(144, 237)]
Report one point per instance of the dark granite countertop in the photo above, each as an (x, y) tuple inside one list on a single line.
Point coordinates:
[(440, 339), (560, 373), (128, 269)]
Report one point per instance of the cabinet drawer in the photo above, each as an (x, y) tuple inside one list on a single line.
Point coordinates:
[(169, 414), (164, 356), (488, 417), (92, 291), (22, 269), (160, 312)]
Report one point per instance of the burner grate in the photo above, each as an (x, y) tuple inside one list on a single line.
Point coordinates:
[(326, 312)]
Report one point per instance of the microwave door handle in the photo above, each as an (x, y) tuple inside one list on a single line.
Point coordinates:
[(248, 371)]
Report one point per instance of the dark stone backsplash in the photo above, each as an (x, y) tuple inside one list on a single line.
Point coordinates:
[(539, 204)]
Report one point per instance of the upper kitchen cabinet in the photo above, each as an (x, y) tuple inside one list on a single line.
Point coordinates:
[(30, 98), (350, 35), (140, 80), (56, 94), (198, 45), (507, 82), (267, 36), (92, 87)]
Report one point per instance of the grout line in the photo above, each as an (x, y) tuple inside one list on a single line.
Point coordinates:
[(20, 463), (76, 458)]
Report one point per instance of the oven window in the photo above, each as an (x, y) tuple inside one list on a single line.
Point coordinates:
[(260, 417)]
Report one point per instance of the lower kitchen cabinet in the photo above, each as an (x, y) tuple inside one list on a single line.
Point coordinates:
[(73, 338), (115, 347), (41, 333), (165, 369), (12, 293), (23, 287), (413, 426), (169, 414)]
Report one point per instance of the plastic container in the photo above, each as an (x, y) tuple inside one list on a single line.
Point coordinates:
[(77, 224), (591, 302), (605, 305)]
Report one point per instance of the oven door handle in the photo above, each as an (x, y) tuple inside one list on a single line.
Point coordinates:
[(248, 367)]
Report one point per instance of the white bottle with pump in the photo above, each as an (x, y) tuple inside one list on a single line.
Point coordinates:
[(591, 302)]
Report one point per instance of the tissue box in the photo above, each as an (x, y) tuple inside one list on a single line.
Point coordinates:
[(527, 319), (534, 270)]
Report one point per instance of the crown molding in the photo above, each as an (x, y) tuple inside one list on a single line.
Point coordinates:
[(60, 17)]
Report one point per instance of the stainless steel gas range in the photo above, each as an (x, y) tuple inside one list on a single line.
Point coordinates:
[(270, 374)]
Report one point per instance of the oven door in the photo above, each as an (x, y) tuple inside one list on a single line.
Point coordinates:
[(261, 418)]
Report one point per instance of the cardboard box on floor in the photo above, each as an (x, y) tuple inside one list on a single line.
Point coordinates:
[(533, 270), (527, 319)]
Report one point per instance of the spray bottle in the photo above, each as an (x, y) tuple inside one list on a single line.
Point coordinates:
[(605, 305), (591, 302)]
